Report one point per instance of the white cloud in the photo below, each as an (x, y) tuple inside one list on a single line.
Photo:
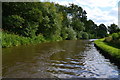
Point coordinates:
[(97, 3), (100, 11), (99, 16)]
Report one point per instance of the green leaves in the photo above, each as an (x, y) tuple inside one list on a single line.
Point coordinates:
[(113, 28), (71, 34), (82, 35), (14, 21), (51, 20), (9, 40), (35, 15), (102, 30), (78, 25), (30, 30)]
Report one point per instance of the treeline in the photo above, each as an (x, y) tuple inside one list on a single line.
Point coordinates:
[(52, 21)]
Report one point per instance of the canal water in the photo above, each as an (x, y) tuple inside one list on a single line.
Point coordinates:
[(64, 59)]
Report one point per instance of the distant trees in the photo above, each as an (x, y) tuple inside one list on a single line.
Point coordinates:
[(113, 28), (51, 20), (102, 30)]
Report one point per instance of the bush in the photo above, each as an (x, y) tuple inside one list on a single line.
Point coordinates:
[(83, 35), (14, 24), (15, 21), (56, 38), (108, 39), (92, 36), (115, 36), (9, 40), (64, 33), (79, 35), (30, 30), (71, 34)]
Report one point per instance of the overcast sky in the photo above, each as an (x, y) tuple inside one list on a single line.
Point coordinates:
[(100, 11)]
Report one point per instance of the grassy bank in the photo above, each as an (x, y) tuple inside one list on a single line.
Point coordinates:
[(9, 40), (112, 51)]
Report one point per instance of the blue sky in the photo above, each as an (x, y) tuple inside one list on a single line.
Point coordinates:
[(100, 11)]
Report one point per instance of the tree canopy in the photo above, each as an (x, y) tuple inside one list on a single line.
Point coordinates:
[(52, 21)]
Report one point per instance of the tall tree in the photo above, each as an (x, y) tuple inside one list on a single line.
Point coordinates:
[(102, 30), (113, 28)]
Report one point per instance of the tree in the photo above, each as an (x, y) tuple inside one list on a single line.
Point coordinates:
[(52, 21), (14, 24), (71, 34), (31, 29), (102, 30), (113, 28), (77, 25)]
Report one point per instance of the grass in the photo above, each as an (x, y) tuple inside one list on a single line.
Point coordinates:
[(113, 51), (9, 40)]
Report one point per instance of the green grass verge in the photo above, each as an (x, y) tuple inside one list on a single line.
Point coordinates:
[(114, 52)]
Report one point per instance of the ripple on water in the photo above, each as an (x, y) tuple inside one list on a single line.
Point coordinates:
[(89, 63), (64, 59)]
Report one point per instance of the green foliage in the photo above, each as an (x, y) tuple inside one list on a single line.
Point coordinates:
[(9, 40), (102, 30), (115, 36), (34, 15), (30, 30), (92, 36), (55, 22), (108, 39), (14, 23), (64, 33), (77, 25), (71, 34), (56, 38), (52, 21), (83, 35), (113, 28)]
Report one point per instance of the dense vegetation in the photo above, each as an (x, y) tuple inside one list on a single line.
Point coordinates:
[(113, 40), (26, 22), (9, 40)]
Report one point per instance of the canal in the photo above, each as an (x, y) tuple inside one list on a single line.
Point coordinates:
[(64, 59)]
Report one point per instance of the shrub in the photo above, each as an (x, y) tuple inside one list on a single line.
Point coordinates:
[(108, 39), (64, 33), (30, 30), (9, 40), (14, 23), (92, 36), (115, 36), (83, 35), (56, 38), (71, 34)]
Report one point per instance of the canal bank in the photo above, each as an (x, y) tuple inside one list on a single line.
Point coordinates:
[(108, 51)]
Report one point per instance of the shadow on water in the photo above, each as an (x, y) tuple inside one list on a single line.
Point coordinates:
[(64, 59)]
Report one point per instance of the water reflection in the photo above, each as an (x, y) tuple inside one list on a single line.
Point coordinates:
[(63, 59), (85, 62)]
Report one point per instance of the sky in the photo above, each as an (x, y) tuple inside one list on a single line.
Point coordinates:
[(100, 11)]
